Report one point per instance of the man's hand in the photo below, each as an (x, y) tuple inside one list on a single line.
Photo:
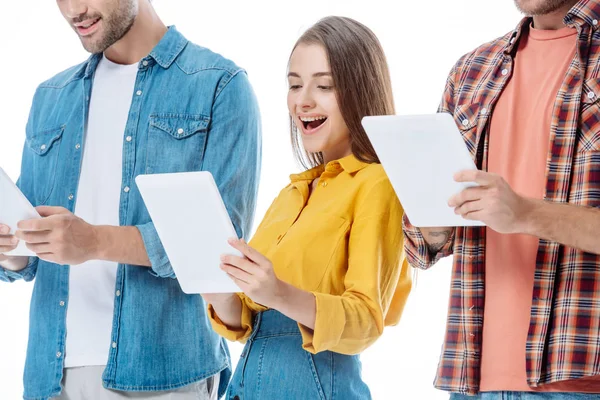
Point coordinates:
[(7, 244), (59, 237), (493, 202)]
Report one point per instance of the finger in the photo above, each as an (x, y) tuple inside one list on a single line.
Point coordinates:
[(4, 229), (240, 284), (39, 248), (475, 216), (469, 194), (46, 211), (241, 263), (43, 224), (8, 241), (33, 236), (6, 249), (236, 273), (472, 175), (469, 207), (247, 251)]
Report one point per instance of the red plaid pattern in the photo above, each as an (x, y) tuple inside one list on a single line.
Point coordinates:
[(564, 333)]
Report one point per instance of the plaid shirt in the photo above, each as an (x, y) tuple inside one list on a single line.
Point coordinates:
[(564, 332)]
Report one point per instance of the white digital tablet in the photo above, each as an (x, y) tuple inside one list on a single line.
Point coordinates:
[(193, 225), (14, 207), (420, 155)]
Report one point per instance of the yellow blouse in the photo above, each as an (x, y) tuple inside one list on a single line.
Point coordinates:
[(344, 244)]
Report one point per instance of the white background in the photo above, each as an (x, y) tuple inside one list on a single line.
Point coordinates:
[(422, 40)]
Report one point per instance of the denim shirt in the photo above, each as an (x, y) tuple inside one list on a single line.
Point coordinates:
[(191, 110)]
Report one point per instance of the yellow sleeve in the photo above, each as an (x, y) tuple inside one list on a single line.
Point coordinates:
[(249, 310), (377, 282)]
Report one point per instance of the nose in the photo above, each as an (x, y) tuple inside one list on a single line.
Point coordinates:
[(305, 100), (73, 8)]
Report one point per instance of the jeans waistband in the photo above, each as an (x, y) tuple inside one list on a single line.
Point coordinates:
[(273, 323)]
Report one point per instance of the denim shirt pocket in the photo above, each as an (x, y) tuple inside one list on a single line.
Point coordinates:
[(176, 142), (43, 149)]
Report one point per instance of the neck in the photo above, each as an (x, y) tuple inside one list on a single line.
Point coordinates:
[(553, 20), (332, 156), (144, 35)]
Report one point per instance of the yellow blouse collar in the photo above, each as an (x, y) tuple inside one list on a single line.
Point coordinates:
[(349, 164)]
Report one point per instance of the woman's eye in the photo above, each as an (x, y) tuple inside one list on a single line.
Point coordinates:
[(323, 87)]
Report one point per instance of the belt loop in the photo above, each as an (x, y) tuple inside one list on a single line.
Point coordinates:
[(256, 326)]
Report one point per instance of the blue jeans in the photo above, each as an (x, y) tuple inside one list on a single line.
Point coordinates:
[(274, 366), (526, 396)]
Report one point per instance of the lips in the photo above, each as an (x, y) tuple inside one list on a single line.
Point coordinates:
[(87, 27), (311, 124)]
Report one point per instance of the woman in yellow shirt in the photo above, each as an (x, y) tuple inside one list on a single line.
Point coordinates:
[(325, 271)]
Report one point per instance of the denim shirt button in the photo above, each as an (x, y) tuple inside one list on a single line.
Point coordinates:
[(128, 138), (114, 345), (58, 354), (77, 146), (43, 147), (139, 92), (62, 303), (118, 293), (71, 197), (126, 189)]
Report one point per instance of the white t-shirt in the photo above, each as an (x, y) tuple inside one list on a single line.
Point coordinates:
[(92, 284)]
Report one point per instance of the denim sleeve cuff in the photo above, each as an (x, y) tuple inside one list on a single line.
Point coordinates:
[(161, 266), (241, 334), (27, 274)]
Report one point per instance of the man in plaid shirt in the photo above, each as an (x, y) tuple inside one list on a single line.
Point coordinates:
[(524, 312)]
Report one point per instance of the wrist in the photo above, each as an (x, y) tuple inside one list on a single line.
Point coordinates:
[(100, 242), (282, 295), (530, 215), (14, 264), (219, 300)]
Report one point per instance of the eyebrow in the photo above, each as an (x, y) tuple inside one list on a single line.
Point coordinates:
[(315, 75)]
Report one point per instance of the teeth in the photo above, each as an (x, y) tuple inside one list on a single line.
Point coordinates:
[(310, 119), (90, 24)]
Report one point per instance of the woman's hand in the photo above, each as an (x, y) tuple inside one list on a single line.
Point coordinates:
[(254, 274)]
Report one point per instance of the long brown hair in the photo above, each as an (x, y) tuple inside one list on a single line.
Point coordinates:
[(361, 79)]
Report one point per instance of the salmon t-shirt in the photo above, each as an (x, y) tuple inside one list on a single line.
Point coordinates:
[(518, 151)]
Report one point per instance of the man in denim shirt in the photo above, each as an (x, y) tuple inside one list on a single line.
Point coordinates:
[(107, 315)]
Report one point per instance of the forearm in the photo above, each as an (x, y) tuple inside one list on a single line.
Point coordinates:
[(121, 244), (436, 238), (228, 309), (297, 304), (569, 225), (419, 252)]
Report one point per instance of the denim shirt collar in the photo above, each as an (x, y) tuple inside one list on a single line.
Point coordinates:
[(168, 49), (165, 53)]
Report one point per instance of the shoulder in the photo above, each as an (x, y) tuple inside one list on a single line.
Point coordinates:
[(483, 56), (194, 59), (66, 77)]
